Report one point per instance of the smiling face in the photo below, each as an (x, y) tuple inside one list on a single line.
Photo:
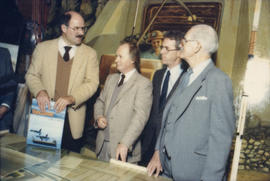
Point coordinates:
[(74, 32), (169, 53), (124, 62), (156, 43)]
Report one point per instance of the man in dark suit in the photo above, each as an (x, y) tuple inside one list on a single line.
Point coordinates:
[(198, 121), (174, 67), (7, 90)]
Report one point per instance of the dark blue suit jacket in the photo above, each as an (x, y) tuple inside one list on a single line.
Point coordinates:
[(7, 87)]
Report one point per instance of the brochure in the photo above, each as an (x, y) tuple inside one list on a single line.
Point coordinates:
[(45, 129)]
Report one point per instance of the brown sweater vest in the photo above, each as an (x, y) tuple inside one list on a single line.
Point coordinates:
[(62, 77)]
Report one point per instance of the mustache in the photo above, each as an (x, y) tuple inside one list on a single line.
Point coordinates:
[(79, 36)]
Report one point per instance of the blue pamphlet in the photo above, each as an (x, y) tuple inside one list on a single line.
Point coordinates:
[(45, 129)]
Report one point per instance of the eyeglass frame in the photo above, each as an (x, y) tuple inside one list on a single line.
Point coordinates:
[(76, 28), (169, 50), (184, 40)]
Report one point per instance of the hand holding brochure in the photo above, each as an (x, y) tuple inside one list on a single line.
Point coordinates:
[(45, 128)]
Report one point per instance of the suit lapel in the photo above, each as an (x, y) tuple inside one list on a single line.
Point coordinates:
[(77, 63), (52, 64), (111, 86), (159, 82), (127, 86), (174, 87), (186, 96)]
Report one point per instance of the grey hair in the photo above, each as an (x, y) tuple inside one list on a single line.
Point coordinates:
[(207, 36)]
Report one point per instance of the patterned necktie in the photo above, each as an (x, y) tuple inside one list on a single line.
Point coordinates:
[(66, 54), (164, 90), (122, 80)]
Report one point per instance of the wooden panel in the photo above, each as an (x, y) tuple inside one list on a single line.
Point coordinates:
[(108, 66), (174, 17), (105, 66)]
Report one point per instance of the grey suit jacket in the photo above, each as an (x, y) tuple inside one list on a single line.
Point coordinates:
[(128, 115), (201, 124)]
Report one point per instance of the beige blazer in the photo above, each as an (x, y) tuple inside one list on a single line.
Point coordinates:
[(83, 80), (128, 115)]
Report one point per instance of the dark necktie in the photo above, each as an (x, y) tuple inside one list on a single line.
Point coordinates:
[(66, 54), (164, 91), (122, 80)]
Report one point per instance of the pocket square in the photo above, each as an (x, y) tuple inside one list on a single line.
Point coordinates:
[(201, 98)]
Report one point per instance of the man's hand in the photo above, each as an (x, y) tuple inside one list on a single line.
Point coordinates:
[(63, 102), (43, 99), (3, 110), (102, 122), (154, 165), (121, 151)]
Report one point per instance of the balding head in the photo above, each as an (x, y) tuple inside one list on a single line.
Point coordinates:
[(73, 28), (206, 36), (75, 15)]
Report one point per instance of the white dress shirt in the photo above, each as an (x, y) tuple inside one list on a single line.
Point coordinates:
[(127, 75), (175, 72), (196, 71)]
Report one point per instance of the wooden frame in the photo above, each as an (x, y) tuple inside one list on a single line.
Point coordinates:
[(174, 17)]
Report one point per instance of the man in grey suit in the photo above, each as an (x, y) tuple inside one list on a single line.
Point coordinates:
[(198, 121), (123, 108)]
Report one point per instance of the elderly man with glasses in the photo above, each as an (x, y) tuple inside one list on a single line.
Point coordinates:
[(66, 71), (198, 121)]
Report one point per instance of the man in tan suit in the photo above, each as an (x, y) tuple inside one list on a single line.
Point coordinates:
[(66, 71), (123, 108)]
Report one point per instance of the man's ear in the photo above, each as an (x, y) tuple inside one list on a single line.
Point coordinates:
[(64, 28), (197, 47)]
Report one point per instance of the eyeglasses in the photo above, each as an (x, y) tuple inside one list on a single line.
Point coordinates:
[(168, 50), (184, 41), (76, 28)]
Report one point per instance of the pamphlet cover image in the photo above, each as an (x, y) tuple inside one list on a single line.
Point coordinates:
[(45, 129)]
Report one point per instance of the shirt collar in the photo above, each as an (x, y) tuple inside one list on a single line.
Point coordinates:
[(62, 44), (128, 75), (176, 70), (200, 67)]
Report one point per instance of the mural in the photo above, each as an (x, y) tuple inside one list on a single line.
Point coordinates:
[(89, 9)]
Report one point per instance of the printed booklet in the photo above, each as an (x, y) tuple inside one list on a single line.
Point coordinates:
[(45, 128)]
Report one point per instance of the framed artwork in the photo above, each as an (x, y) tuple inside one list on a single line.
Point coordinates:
[(173, 16)]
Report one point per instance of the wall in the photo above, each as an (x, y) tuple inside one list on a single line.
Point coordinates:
[(116, 21)]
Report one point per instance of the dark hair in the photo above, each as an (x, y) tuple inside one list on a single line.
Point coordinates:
[(175, 35), (64, 19), (134, 53)]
